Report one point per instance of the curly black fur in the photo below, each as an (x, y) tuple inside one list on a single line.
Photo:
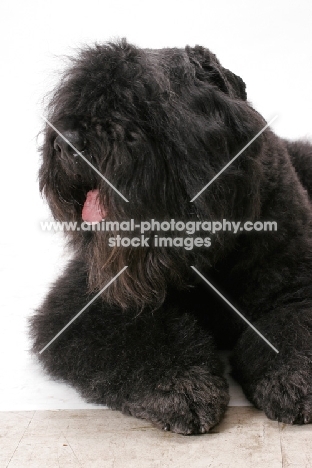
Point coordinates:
[(159, 124)]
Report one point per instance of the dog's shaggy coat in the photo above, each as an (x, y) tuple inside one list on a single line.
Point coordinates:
[(159, 125)]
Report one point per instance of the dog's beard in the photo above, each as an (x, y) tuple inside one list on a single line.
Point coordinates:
[(144, 283), (141, 284), (150, 269)]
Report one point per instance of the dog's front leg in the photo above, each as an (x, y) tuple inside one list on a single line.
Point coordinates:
[(160, 365), (279, 383)]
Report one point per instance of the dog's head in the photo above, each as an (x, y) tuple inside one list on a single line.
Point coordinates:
[(154, 126)]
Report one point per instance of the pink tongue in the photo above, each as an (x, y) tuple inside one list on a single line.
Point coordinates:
[(91, 211)]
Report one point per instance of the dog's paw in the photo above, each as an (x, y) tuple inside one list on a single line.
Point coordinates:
[(285, 396), (191, 403)]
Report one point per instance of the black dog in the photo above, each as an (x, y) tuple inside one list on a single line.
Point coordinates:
[(159, 125)]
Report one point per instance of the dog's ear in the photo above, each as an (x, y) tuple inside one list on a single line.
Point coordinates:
[(208, 68)]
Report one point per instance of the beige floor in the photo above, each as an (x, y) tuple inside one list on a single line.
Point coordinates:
[(108, 439)]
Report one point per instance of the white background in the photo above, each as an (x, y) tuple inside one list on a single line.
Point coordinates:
[(267, 43)]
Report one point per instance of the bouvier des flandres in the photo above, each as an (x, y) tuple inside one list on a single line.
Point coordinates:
[(143, 132)]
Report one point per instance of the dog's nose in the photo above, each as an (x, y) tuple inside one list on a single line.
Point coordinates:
[(62, 146)]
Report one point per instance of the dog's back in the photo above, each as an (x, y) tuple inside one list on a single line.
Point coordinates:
[(301, 156)]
